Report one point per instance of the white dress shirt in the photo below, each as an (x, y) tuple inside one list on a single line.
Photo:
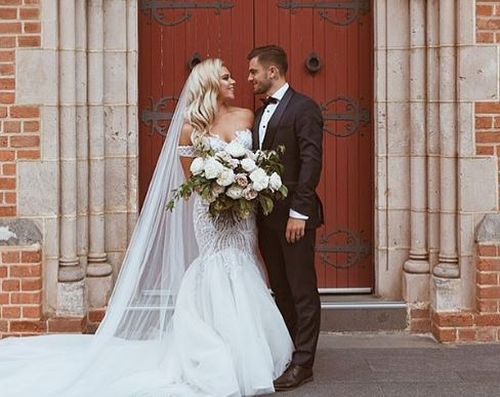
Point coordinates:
[(264, 121)]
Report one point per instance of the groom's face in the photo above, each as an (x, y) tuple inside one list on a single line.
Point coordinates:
[(260, 76)]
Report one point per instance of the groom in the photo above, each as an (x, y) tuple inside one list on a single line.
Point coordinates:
[(287, 236)]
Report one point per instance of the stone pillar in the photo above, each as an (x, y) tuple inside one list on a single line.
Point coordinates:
[(71, 286), (446, 273), (99, 280), (416, 268)]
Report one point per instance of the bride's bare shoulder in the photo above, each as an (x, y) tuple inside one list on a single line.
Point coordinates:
[(244, 116)]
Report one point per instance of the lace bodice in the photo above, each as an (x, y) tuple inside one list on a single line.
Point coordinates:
[(213, 236)]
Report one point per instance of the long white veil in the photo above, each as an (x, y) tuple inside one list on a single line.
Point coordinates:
[(133, 337)]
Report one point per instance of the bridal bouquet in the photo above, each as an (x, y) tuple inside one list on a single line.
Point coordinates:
[(234, 181)]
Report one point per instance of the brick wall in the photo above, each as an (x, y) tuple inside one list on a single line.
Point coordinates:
[(483, 323), (20, 125)]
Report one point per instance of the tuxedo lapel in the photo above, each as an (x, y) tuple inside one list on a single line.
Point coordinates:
[(255, 131), (272, 127)]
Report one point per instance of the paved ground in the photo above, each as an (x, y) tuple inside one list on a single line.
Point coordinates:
[(399, 365)]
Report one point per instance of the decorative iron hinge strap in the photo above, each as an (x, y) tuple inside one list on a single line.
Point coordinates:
[(353, 8), (155, 6)]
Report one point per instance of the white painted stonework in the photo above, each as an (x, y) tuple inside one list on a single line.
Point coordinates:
[(431, 189)]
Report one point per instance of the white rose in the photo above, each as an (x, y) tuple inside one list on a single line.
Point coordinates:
[(275, 181), (235, 192), (197, 166), (251, 155), (260, 179), (248, 165), (226, 177), (234, 163), (212, 168), (224, 156), (249, 194), (236, 149)]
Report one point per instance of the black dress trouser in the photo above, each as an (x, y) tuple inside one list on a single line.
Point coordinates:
[(292, 277)]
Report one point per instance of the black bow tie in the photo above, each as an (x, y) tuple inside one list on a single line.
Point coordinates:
[(270, 99)]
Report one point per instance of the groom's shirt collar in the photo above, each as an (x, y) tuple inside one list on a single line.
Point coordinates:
[(281, 92)]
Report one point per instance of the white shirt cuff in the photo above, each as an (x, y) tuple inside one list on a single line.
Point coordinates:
[(298, 215)]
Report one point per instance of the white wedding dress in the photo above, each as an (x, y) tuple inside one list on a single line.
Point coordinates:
[(225, 337)]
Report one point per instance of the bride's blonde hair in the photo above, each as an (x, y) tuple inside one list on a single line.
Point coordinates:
[(203, 92)]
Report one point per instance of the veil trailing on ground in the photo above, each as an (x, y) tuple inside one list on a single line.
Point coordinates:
[(134, 335)]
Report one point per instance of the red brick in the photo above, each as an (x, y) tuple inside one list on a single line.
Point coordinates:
[(11, 126), (66, 325), (488, 319), (26, 298), (25, 270), (487, 250), (31, 284), (488, 23), (25, 141), (487, 278), (4, 326), (11, 312), (485, 37), (484, 10), (31, 126), (32, 27), (489, 265), (11, 285), (454, 319), (485, 150), (7, 155), (497, 122), (10, 198), (486, 334), (7, 183), (420, 325), (4, 299), (29, 41), (30, 256), (3, 111), (29, 13), (96, 316), (4, 141), (32, 311), (10, 2), (7, 84), (7, 70), (9, 169), (488, 107), (3, 271), (28, 154), (7, 98), (484, 122), (420, 314), (28, 326), (8, 13), (490, 292), (8, 211), (31, 2), (24, 112), (466, 334), (487, 305), (11, 257), (7, 56), (444, 334), (7, 42), (10, 27)]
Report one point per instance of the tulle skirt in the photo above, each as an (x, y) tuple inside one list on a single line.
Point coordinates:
[(226, 338)]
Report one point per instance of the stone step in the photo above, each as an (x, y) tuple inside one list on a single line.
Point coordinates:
[(361, 313)]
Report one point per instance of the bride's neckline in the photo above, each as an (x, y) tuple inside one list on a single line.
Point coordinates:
[(236, 134)]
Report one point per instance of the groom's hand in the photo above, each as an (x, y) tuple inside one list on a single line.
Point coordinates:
[(295, 230)]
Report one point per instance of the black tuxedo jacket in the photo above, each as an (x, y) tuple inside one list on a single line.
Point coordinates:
[(297, 124)]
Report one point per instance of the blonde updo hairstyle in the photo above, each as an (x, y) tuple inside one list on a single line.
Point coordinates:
[(203, 92)]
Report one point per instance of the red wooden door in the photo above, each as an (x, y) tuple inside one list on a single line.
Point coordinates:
[(330, 50)]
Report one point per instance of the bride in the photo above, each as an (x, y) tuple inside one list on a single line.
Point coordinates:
[(190, 314)]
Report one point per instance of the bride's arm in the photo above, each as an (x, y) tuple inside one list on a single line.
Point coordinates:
[(184, 143)]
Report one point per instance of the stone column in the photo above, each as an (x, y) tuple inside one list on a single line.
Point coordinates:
[(416, 268), (71, 288), (99, 271)]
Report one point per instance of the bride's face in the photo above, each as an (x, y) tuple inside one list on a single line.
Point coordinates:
[(259, 76), (227, 84)]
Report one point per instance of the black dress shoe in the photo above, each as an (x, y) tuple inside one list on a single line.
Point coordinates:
[(293, 377)]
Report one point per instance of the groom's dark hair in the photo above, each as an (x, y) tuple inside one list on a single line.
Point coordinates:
[(271, 54)]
